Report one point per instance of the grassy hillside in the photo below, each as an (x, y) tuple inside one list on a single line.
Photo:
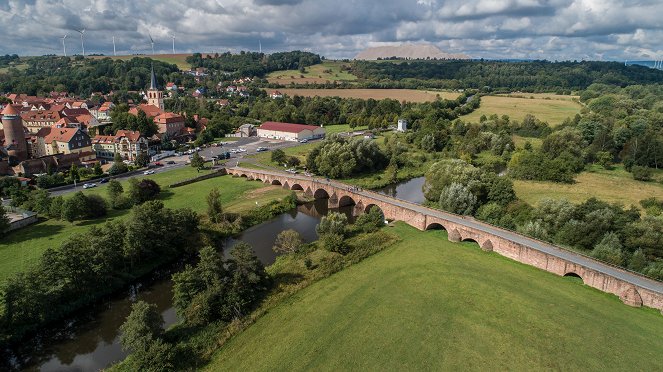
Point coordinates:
[(550, 108), (22, 248), (615, 186), (427, 304), (320, 73)]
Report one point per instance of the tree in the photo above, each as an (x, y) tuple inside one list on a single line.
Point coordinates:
[(74, 207), (288, 241), (142, 160), (143, 190), (605, 159), (334, 243), (197, 161), (333, 223), (371, 221), (278, 156), (247, 281), (73, 173), (97, 169), (141, 333), (4, 220), (457, 198), (214, 206), (293, 161), (609, 249)]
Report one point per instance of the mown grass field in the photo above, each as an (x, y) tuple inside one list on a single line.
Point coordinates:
[(428, 304), (615, 186), (410, 95), (320, 73), (548, 109), (22, 248), (553, 96), (176, 59)]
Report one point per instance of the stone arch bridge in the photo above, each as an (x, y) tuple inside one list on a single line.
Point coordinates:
[(632, 288)]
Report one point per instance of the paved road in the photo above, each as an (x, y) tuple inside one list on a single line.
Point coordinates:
[(552, 250), (250, 144)]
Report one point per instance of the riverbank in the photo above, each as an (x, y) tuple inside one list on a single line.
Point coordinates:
[(249, 215), (289, 274)]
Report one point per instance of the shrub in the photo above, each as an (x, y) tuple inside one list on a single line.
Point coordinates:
[(118, 168), (334, 223), (371, 221), (143, 190), (334, 243), (288, 241), (641, 173)]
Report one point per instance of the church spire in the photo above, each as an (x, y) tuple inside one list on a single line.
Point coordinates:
[(153, 80)]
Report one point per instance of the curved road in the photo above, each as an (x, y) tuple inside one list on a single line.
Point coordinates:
[(625, 275)]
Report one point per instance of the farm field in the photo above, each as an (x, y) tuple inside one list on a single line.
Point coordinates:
[(23, 247), (551, 96), (326, 71), (615, 186), (428, 304), (176, 59), (553, 111), (411, 95)]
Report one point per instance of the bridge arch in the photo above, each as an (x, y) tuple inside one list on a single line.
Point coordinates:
[(244, 175), (257, 179), (321, 194), (276, 182), (487, 246), (572, 274), (435, 226), (296, 186), (345, 201)]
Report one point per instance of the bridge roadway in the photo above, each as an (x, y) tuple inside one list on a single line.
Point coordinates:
[(626, 276)]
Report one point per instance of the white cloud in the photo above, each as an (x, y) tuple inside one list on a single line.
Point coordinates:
[(553, 29)]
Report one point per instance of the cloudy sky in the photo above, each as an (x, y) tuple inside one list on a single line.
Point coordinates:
[(552, 29)]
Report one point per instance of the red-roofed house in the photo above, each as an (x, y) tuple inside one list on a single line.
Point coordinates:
[(170, 124), (149, 110), (35, 120), (51, 141), (128, 143), (290, 132)]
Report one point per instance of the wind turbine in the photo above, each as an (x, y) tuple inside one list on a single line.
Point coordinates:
[(64, 47), (173, 36), (114, 53), (82, 31), (151, 42), (259, 47)]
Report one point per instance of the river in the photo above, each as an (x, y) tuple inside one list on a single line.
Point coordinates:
[(89, 340), (410, 190)]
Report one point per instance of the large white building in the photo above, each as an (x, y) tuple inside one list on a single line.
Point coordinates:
[(290, 132)]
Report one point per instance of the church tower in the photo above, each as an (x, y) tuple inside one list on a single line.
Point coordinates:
[(15, 141), (154, 95)]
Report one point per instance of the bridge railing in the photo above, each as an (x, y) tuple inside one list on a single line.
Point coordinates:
[(462, 217)]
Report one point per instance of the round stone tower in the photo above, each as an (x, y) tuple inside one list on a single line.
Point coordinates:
[(12, 124)]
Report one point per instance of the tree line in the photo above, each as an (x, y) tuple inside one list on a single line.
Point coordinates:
[(252, 63), (533, 76)]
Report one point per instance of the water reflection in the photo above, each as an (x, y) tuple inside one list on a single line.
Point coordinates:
[(410, 190)]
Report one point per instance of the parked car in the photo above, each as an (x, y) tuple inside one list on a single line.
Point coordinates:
[(170, 162), (148, 172), (242, 149), (158, 164), (303, 140), (89, 185), (104, 180), (261, 149)]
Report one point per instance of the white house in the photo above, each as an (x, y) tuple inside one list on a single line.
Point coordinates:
[(402, 125), (290, 132)]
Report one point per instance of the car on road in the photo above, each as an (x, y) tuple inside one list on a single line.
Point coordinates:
[(303, 140), (104, 180), (261, 149), (170, 162), (242, 149), (89, 185), (148, 172), (158, 164)]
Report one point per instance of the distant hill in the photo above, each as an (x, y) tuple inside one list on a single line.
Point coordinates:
[(408, 51)]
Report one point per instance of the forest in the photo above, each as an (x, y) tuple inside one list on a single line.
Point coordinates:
[(531, 76), (253, 64)]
